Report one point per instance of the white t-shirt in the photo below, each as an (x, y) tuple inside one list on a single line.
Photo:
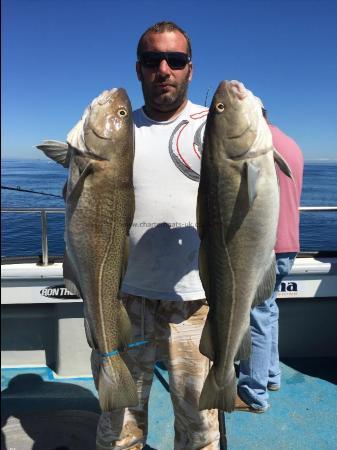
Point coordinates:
[(163, 260)]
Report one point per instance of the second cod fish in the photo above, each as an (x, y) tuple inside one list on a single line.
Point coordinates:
[(238, 207), (100, 205)]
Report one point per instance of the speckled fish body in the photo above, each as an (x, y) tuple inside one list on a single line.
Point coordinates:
[(238, 207), (99, 199)]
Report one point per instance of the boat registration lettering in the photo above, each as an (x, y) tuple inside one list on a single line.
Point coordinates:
[(288, 289), (58, 291)]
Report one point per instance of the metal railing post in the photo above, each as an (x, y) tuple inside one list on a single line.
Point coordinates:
[(44, 211), (44, 237)]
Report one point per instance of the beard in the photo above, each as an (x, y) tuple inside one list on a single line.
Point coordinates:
[(162, 99)]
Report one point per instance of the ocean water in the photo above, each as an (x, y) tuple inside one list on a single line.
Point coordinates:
[(21, 232)]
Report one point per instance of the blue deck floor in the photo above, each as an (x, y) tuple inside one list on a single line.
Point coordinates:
[(303, 414)]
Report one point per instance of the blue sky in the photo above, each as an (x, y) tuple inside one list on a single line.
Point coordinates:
[(57, 55)]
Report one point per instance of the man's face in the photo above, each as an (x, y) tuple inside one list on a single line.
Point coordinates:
[(164, 89)]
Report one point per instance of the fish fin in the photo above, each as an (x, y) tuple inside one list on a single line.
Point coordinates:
[(72, 287), (116, 387), (89, 335), (253, 173), (70, 279), (125, 336), (64, 191), (86, 166), (214, 396), (245, 347), (78, 186), (56, 150), (206, 343), (206, 346), (199, 215), (124, 261), (280, 161), (203, 272), (267, 285), (126, 255)]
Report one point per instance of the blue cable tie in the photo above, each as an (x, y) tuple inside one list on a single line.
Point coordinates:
[(116, 352)]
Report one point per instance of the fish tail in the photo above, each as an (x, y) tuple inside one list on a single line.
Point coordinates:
[(221, 397), (116, 387)]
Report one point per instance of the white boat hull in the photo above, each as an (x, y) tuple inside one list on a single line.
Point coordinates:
[(43, 322)]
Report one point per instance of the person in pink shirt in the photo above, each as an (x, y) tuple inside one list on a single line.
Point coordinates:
[(262, 371)]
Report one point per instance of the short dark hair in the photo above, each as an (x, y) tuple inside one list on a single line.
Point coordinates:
[(161, 27)]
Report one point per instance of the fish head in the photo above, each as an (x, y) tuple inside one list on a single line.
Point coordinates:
[(108, 126), (234, 118)]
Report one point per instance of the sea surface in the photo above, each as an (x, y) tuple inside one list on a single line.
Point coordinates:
[(21, 232)]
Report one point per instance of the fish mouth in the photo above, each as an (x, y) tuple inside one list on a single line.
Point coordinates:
[(106, 96), (235, 90), (231, 93)]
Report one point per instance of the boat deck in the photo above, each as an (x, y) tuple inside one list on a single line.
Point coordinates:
[(303, 414)]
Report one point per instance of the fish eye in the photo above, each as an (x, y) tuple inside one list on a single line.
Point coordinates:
[(122, 112), (220, 107)]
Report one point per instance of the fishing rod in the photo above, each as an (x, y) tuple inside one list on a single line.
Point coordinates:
[(207, 95), (162, 379), (222, 430), (18, 188)]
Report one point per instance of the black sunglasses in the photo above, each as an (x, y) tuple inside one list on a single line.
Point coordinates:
[(176, 60)]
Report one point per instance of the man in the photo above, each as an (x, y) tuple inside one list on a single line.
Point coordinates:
[(162, 289), (262, 371)]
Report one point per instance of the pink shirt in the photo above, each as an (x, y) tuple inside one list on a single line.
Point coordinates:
[(290, 192)]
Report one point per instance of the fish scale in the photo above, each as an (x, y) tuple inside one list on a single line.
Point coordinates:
[(238, 203), (99, 213)]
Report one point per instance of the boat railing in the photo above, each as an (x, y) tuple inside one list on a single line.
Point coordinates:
[(45, 211), (44, 224)]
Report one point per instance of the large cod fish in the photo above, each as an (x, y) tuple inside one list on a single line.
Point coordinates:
[(237, 210), (99, 198)]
